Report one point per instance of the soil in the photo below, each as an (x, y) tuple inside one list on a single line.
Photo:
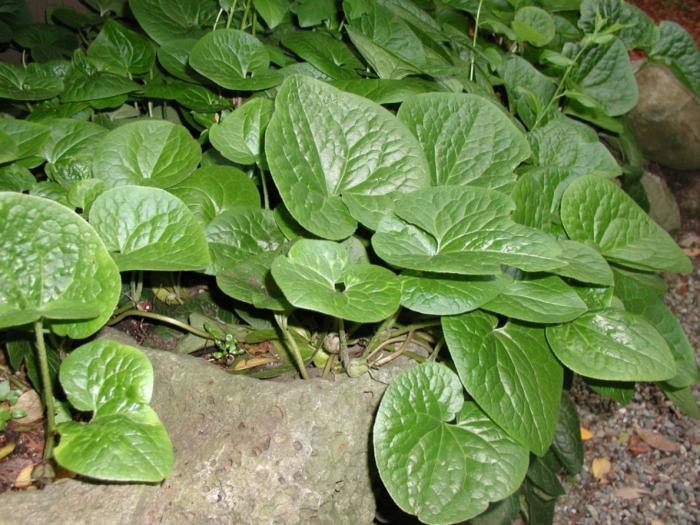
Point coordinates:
[(683, 12)]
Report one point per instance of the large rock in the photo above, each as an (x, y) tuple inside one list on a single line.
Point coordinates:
[(663, 207), (666, 119), (247, 452)]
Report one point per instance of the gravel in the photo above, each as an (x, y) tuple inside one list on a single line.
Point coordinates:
[(645, 485)]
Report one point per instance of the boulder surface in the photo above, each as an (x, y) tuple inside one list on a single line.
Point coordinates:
[(246, 452)]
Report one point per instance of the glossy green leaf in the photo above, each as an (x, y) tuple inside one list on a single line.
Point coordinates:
[(386, 91), (16, 178), (594, 209), (272, 11), (149, 229), (89, 87), (313, 12), (8, 148), (234, 60), (564, 143), (84, 192), (604, 73), (148, 153), (125, 440), (174, 55), (35, 82), (539, 299), (643, 301), (684, 399), (250, 281), (613, 345), (121, 51), (636, 29), (239, 136), (533, 25), (28, 137), (210, 191), (443, 472), (338, 159), (510, 372), (461, 230), (324, 52), (386, 64), (240, 234), (567, 444), (195, 97), (678, 50), (435, 294), (467, 139), (70, 148), (55, 266), (165, 20), (319, 275), (584, 264), (619, 391), (529, 91), (46, 41)]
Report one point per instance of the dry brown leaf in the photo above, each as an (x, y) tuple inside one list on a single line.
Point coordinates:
[(656, 522), (691, 252), (24, 478), (657, 440), (252, 362), (586, 434), (636, 446), (601, 467), (31, 404), (631, 492)]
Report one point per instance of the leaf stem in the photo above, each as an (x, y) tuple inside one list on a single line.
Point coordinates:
[(281, 320), (558, 93), (383, 328), (230, 14), (162, 318), (263, 183), (218, 17), (415, 326), (136, 285), (476, 34), (47, 390), (344, 354)]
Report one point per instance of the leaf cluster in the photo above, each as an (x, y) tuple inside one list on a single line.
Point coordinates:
[(434, 167)]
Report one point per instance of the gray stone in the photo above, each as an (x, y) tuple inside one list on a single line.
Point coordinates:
[(247, 452), (663, 207), (666, 119)]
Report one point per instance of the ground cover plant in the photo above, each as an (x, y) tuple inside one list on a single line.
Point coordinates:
[(345, 183)]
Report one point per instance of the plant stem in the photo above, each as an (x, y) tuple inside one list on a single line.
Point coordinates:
[(162, 318), (218, 17), (230, 14), (396, 354), (436, 350), (560, 87), (384, 327), (344, 354), (329, 366), (263, 183), (136, 285), (415, 326), (281, 320), (476, 34), (48, 389), (244, 20)]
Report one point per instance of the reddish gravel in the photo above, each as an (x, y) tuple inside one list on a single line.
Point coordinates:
[(684, 12)]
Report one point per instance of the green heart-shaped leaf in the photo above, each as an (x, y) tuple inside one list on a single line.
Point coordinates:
[(28, 137), (70, 148), (462, 230), (510, 372), (584, 264), (235, 60), (35, 82), (436, 294), (121, 51), (149, 229), (239, 136), (613, 345), (539, 299), (212, 190), (442, 472), (165, 20), (54, 266), (595, 209), (337, 158), (125, 440), (534, 25), (467, 139), (324, 52), (319, 276), (147, 153)]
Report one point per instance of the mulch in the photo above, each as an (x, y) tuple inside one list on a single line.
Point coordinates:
[(684, 12)]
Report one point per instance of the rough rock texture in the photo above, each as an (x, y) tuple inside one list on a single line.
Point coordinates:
[(663, 207), (246, 451), (666, 119)]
